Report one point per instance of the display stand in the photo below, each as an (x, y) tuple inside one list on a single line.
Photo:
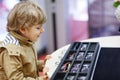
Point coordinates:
[(110, 43), (77, 64)]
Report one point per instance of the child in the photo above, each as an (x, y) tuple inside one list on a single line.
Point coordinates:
[(18, 58)]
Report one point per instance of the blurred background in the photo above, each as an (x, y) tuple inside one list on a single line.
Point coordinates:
[(68, 21)]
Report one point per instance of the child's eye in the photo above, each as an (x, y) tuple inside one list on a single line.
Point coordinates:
[(38, 28)]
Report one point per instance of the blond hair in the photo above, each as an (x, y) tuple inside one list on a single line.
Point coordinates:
[(24, 15)]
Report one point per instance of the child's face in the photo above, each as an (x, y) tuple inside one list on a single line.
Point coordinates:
[(33, 33)]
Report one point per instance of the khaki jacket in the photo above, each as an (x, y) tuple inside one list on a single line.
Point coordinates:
[(19, 62)]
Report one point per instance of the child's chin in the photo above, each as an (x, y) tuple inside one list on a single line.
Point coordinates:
[(35, 40)]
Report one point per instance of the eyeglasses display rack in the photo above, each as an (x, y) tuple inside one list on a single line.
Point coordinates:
[(78, 61)]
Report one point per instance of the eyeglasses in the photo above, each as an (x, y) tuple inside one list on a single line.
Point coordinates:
[(75, 67), (65, 67), (80, 55), (85, 68), (71, 56), (70, 77), (83, 47), (89, 56), (81, 78)]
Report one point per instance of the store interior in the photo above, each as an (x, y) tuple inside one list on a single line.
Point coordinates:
[(73, 22)]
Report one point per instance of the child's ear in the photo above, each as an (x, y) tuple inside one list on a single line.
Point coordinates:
[(23, 30)]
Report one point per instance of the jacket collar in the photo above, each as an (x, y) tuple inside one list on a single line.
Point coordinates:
[(22, 40)]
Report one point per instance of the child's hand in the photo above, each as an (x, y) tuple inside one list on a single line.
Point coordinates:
[(45, 70), (43, 77), (48, 57)]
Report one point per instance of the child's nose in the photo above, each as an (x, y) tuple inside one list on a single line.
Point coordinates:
[(42, 30)]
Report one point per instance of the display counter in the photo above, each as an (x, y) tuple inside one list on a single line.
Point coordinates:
[(104, 42)]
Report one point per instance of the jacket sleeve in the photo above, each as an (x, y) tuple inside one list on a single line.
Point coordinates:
[(40, 64), (13, 67)]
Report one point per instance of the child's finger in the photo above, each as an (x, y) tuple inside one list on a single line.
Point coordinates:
[(45, 70), (48, 57)]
